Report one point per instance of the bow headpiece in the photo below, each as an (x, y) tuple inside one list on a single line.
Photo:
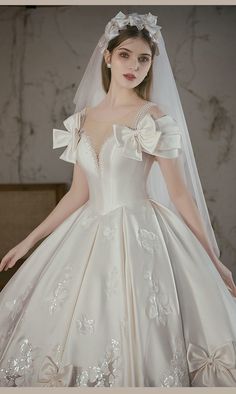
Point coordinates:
[(147, 21)]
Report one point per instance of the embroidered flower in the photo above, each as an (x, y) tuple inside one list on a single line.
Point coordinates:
[(13, 309), (108, 371), (158, 306), (147, 239), (88, 218), (19, 370), (85, 326), (108, 232), (112, 281), (177, 374), (16, 305), (60, 293)]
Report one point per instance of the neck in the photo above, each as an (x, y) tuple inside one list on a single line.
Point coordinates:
[(119, 96)]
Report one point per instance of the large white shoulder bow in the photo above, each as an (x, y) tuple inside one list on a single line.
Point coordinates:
[(158, 137), (70, 137)]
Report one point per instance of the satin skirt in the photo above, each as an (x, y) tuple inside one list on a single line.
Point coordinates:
[(125, 299)]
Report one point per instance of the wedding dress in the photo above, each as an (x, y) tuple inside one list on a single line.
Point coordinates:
[(121, 293)]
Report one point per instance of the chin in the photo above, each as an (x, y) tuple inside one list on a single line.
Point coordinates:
[(132, 84)]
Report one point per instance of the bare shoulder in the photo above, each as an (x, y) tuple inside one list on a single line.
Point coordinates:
[(156, 112)]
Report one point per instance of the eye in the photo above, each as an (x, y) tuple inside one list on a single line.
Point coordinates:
[(145, 59), (123, 53)]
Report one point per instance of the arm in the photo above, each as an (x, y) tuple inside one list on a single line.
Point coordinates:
[(77, 195), (183, 200), (187, 207), (180, 195)]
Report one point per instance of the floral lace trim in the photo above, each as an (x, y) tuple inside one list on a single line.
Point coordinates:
[(14, 309), (60, 293), (158, 305), (85, 326), (147, 239), (108, 371), (20, 368), (112, 281), (20, 371), (177, 375)]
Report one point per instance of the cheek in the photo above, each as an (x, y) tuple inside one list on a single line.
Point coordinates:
[(118, 63), (144, 68)]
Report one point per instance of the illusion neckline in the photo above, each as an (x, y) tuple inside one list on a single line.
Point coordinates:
[(85, 110), (97, 156)]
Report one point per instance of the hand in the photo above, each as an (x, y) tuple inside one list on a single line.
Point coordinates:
[(10, 259), (226, 275)]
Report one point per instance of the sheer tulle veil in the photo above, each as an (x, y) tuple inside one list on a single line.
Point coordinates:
[(165, 94)]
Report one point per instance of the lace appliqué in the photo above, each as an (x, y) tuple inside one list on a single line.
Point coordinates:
[(178, 374), (106, 373), (147, 239), (14, 309), (158, 306), (88, 218), (108, 232), (112, 281), (20, 369), (60, 293), (85, 326)]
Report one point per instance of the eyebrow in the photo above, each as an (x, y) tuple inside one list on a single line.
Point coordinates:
[(148, 54)]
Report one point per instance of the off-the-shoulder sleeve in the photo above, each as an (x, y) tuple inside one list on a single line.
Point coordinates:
[(69, 137), (170, 141), (158, 137)]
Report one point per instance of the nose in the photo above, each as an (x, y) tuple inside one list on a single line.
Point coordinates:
[(134, 65)]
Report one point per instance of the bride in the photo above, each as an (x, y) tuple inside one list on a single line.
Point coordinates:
[(130, 268)]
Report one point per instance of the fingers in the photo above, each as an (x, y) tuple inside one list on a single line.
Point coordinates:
[(5, 263)]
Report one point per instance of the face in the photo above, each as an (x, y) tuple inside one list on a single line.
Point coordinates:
[(132, 56)]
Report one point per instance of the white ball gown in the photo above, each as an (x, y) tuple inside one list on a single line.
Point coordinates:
[(121, 293)]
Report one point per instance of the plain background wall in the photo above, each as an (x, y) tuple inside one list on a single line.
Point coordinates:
[(44, 52)]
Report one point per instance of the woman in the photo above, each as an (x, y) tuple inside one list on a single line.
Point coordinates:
[(125, 291)]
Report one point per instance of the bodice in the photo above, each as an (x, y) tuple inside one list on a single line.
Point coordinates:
[(118, 176)]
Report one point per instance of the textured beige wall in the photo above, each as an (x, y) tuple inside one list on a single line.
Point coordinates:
[(44, 52)]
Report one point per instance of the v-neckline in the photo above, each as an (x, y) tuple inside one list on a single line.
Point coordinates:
[(98, 156)]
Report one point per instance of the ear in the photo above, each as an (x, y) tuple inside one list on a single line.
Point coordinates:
[(107, 56)]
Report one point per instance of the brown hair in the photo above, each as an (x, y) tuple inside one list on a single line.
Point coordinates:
[(143, 89)]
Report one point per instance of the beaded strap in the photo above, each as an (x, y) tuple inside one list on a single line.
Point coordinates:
[(142, 112)]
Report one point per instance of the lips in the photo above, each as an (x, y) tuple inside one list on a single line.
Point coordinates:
[(130, 77)]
